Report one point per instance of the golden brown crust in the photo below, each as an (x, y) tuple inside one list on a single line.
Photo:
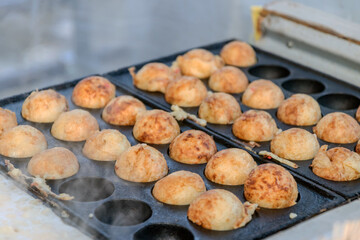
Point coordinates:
[(199, 63), (153, 77), (255, 125), (179, 188), (338, 127), (7, 120), (230, 167), (54, 163), (239, 54), (106, 145), (192, 147), (21, 142), (186, 91), (262, 94), (156, 127), (228, 79), (295, 144), (299, 110), (357, 148), (123, 110), (271, 186), (141, 163), (75, 125), (93, 92), (358, 114), (336, 164), (219, 108), (220, 210), (44, 106)]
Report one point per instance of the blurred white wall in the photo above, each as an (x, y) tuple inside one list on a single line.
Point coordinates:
[(45, 42)]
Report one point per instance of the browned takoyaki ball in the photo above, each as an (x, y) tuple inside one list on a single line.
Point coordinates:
[(123, 110), (228, 79), (141, 163), (220, 210), (106, 145), (75, 125), (255, 125), (239, 54), (179, 188), (295, 144), (153, 77), (358, 114), (338, 127), (54, 163), (299, 110), (93, 92), (262, 94), (192, 147), (357, 148), (7, 119), (186, 91), (199, 63), (219, 108), (44, 106), (22, 141), (230, 166), (336, 164), (156, 127), (271, 186)]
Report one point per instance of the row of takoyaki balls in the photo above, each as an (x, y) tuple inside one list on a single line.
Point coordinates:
[(143, 163)]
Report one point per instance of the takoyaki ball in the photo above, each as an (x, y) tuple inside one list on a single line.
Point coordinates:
[(228, 79), (231, 166), (156, 127), (7, 119), (338, 127), (141, 163), (44, 106), (262, 94), (255, 125), (219, 108), (106, 145), (358, 114), (54, 163), (93, 92), (220, 210), (299, 110), (22, 141), (295, 144), (123, 110), (336, 164), (179, 188), (271, 186), (153, 77), (75, 125), (192, 147), (357, 148), (186, 92), (239, 54), (199, 63)]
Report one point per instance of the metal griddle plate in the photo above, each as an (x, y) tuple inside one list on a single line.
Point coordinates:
[(332, 94), (126, 210)]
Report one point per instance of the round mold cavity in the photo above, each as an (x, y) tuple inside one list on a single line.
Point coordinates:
[(339, 101), (88, 189), (269, 71), (123, 212), (163, 231), (307, 86)]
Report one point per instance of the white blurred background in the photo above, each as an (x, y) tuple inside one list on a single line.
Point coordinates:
[(45, 42)]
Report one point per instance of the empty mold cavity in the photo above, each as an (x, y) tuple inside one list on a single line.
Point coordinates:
[(163, 231), (307, 86), (123, 212), (269, 71), (88, 189), (339, 101)]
